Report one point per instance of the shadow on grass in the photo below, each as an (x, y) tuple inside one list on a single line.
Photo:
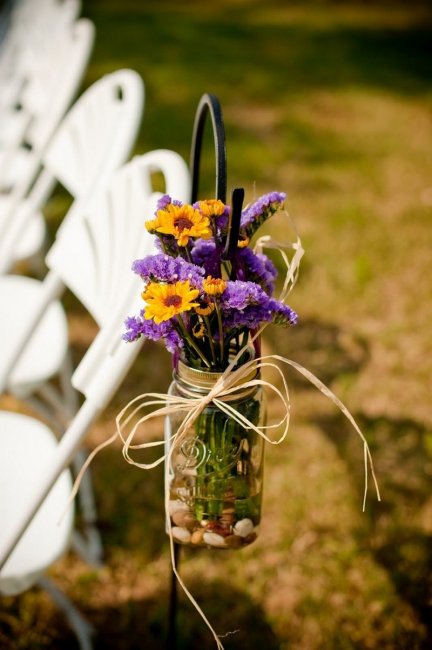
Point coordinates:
[(398, 530), (400, 526), (130, 516), (138, 624), (143, 624), (323, 348)]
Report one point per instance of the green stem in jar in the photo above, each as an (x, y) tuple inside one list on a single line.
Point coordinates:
[(191, 342)]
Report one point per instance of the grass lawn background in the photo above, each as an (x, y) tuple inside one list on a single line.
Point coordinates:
[(332, 103)]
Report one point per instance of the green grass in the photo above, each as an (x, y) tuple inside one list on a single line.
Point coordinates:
[(332, 103)]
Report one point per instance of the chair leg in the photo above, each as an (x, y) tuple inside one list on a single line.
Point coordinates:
[(82, 628)]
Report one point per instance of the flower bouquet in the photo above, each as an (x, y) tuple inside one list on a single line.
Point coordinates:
[(208, 307)]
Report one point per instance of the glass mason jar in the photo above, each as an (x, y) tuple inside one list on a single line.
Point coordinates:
[(216, 469)]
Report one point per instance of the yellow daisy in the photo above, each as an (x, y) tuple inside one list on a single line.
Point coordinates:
[(211, 207), (205, 308), (198, 331), (182, 221), (214, 286), (166, 300)]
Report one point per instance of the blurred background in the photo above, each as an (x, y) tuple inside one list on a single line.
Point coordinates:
[(330, 102)]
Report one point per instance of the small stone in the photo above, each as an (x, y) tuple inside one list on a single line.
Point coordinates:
[(213, 539), (181, 534), (234, 541), (250, 538), (197, 536), (244, 527), (185, 519), (218, 527)]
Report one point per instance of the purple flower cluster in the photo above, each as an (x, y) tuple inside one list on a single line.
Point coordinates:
[(223, 311), (164, 201), (163, 268), (259, 211), (245, 304), (239, 294), (137, 326), (206, 254), (255, 267)]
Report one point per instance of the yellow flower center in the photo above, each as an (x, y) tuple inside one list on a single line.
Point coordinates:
[(172, 301), (182, 222)]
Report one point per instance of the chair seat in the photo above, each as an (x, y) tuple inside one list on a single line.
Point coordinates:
[(27, 448), (47, 348)]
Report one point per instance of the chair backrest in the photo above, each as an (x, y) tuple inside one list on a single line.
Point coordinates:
[(107, 234), (51, 90), (94, 139), (98, 133), (48, 93), (117, 225), (32, 25), (113, 225)]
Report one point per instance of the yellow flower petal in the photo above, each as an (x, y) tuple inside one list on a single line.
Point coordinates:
[(211, 207), (167, 300), (214, 286), (181, 221)]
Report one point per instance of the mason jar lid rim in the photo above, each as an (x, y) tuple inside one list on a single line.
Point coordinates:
[(207, 378)]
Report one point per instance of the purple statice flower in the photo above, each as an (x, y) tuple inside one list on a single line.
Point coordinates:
[(138, 326), (163, 268), (164, 201), (133, 326), (252, 316), (207, 255), (238, 295), (254, 215), (167, 244), (255, 267), (281, 313)]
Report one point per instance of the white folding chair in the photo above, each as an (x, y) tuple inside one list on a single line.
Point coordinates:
[(32, 26), (96, 137), (93, 139), (59, 68), (88, 260), (106, 237)]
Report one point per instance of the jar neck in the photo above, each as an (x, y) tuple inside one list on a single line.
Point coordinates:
[(193, 382)]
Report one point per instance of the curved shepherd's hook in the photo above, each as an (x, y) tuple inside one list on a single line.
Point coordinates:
[(209, 104)]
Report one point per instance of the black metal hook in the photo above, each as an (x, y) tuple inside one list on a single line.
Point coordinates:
[(209, 104), (233, 223)]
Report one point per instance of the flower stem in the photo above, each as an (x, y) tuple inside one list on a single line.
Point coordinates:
[(221, 334), (210, 339), (191, 342), (188, 255)]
